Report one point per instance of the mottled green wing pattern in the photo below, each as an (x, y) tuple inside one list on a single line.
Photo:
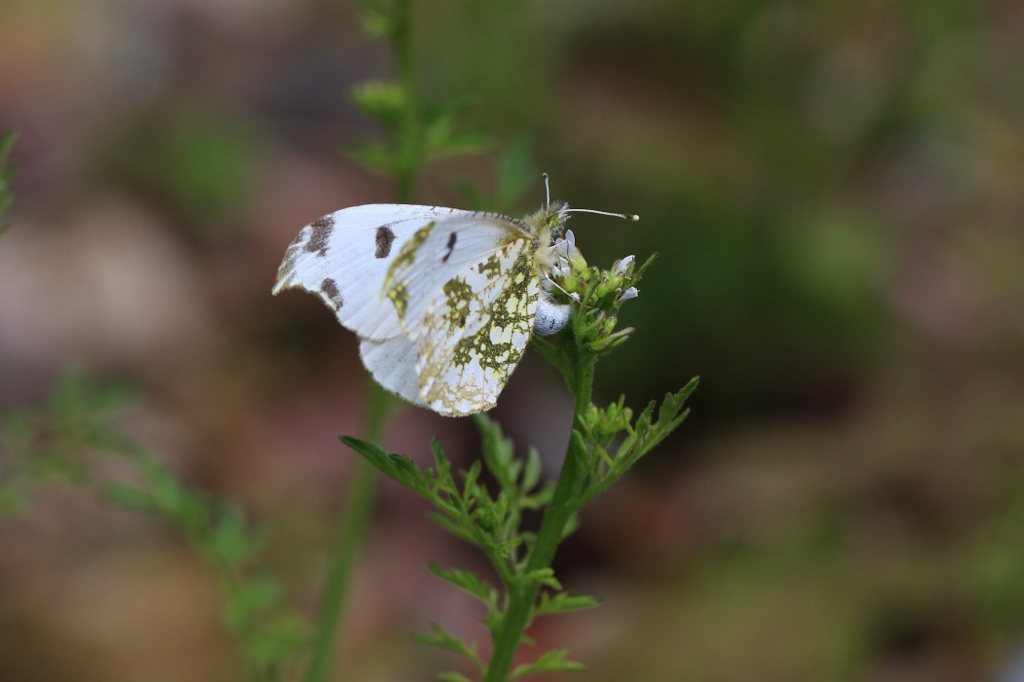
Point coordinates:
[(465, 290), (476, 332)]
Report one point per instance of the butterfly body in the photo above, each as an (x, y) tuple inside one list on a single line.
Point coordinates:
[(444, 300)]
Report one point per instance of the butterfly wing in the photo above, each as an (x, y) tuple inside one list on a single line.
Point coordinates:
[(470, 349), (344, 257), (392, 362), (466, 292)]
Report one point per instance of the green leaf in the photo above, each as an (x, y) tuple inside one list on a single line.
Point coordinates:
[(544, 576), (387, 103), (643, 437), (532, 470), (492, 621), (457, 144), (451, 676), (379, 157), (77, 419), (129, 497), (230, 540), (282, 635), (398, 467), (498, 451), (261, 592), (539, 499), (670, 416), (639, 272), (441, 138), (6, 142), (467, 582), (11, 502), (469, 479), (562, 602), (443, 639), (167, 495), (674, 403), (377, 23), (552, 661), (455, 528), (405, 468), (6, 173), (507, 548), (437, 449), (571, 526)]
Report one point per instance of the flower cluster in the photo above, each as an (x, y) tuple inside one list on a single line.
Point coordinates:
[(596, 294)]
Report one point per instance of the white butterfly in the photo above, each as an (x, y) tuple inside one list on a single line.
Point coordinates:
[(444, 300)]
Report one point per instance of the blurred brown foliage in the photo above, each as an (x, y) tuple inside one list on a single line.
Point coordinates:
[(836, 190)]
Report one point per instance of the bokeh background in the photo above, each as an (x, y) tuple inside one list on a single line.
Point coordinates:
[(836, 190)]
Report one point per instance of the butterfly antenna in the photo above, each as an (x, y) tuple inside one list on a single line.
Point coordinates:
[(626, 216), (547, 205)]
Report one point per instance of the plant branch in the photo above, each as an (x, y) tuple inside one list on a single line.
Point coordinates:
[(409, 133), (523, 593), (353, 531)]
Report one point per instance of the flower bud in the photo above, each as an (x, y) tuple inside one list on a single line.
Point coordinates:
[(622, 266), (604, 287), (626, 295)]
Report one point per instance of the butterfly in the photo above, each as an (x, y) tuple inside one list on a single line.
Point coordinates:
[(444, 300)]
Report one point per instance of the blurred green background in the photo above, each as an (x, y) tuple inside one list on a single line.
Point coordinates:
[(836, 191)]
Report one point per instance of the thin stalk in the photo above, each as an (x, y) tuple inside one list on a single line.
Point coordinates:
[(357, 521), (409, 142), (521, 597), (364, 482)]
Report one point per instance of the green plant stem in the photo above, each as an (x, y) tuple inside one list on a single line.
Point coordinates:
[(409, 142), (364, 482), (522, 596), (357, 521)]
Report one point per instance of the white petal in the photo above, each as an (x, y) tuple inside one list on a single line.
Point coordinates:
[(628, 294)]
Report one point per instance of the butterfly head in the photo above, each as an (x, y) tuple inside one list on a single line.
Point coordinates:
[(557, 258)]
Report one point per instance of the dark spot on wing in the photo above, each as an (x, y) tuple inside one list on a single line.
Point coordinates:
[(451, 247), (322, 229), (385, 237), (330, 288)]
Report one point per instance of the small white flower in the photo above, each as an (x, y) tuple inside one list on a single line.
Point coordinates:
[(622, 265), (627, 294), (565, 246)]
